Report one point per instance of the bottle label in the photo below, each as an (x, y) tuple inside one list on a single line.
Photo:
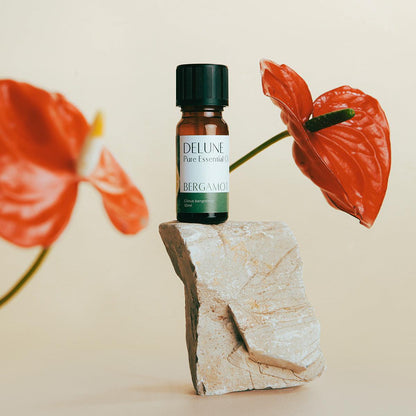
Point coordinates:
[(203, 173)]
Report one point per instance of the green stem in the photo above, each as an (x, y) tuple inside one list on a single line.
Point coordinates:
[(313, 125), (25, 277), (258, 149)]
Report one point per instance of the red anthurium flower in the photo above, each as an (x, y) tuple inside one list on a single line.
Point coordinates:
[(349, 161), (46, 149)]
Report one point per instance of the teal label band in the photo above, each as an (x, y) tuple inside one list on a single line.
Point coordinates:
[(199, 203)]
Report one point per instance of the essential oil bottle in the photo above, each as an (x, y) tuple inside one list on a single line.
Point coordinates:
[(202, 144)]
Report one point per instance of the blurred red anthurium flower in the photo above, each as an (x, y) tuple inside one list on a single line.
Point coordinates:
[(46, 149), (349, 161)]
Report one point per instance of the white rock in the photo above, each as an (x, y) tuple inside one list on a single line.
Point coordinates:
[(248, 322)]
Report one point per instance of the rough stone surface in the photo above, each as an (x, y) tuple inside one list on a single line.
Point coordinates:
[(248, 322)]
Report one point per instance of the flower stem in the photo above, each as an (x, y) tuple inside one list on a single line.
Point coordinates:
[(258, 149), (4, 299)]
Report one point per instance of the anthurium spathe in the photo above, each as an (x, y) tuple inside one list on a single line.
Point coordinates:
[(344, 148), (349, 161), (47, 149)]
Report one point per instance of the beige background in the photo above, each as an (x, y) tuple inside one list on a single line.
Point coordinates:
[(100, 329)]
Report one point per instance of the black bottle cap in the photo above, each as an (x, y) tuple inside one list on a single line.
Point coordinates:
[(201, 85)]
